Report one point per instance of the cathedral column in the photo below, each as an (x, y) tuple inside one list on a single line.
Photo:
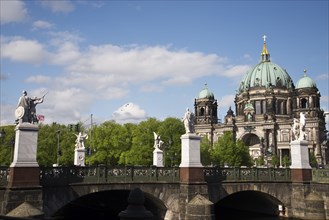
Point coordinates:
[(289, 106)]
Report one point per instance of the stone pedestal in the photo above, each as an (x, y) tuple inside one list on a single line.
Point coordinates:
[(26, 140), (300, 163), (191, 169), (24, 170), (158, 157), (79, 157)]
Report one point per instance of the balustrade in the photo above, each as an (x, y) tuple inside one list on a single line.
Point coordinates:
[(215, 174), (60, 176)]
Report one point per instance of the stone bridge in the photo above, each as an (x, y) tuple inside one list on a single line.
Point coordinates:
[(170, 195)]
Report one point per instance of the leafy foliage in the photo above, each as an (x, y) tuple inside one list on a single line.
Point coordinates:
[(114, 144), (7, 145), (229, 152), (205, 148)]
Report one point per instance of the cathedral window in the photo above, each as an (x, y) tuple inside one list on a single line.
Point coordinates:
[(202, 112), (304, 103), (258, 107)]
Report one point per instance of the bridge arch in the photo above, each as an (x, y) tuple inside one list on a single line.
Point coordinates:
[(109, 200), (107, 205), (250, 202), (267, 195)]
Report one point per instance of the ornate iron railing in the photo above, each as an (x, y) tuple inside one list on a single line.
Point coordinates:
[(218, 174), (4, 176), (101, 174), (320, 175), (58, 176)]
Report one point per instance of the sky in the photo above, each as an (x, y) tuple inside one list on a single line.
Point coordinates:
[(131, 60)]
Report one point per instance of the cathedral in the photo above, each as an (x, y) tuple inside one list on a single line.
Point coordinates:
[(266, 103)]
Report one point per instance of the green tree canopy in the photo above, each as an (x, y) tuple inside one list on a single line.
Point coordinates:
[(229, 152)]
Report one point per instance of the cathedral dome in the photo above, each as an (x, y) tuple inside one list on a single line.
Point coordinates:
[(305, 82), (266, 74), (206, 93)]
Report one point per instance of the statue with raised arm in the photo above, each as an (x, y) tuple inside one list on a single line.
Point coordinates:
[(33, 112), (157, 141), (80, 141), (188, 120), (26, 108)]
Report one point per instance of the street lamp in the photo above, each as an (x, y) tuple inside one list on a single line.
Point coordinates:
[(58, 149), (2, 135)]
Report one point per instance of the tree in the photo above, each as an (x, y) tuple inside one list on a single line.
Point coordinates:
[(141, 152), (47, 145), (275, 160), (286, 161), (55, 144), (228, 152), (206, 150), (110, 140), (170, 131), (7, 145), (312, 159)]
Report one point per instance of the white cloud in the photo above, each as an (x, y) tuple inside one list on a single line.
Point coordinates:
[(41, 79), (63, 6), (12, 11), (64, 106), (108, 72), (226, 101), (151, 88), (41, 25), (23, 50), (324, 76), (129, 113), (236, 71), (142, 64)]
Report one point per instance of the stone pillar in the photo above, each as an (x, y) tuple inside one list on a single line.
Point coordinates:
[(136, 209), (192, 181), (300, 166), (24, 170), (79, 157), (23, 179), (191, 169), (200, 208), (157, 157)]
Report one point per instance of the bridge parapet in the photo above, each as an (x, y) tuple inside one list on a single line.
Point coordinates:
[(216, 174), (320, 175), (4, 171), (102, 174)]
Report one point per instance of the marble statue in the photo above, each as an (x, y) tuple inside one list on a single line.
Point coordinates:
[(298, 127), (80, 141), (26, 108), (157, 141), (188, 121), (295, 129)]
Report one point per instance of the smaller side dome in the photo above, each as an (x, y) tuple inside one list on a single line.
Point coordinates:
[(305, 82), (206, 93)]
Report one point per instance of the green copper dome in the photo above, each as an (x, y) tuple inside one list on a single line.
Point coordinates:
[(205, 93), (305, 82), (266, 74)]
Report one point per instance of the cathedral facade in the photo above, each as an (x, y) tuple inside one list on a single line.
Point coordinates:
[(266, 103)]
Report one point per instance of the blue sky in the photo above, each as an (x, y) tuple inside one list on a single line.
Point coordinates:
[(129, 60)]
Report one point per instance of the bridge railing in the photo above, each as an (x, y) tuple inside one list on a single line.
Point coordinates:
[(102, 174), (320, 175), (216, 174), (3, 176)]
